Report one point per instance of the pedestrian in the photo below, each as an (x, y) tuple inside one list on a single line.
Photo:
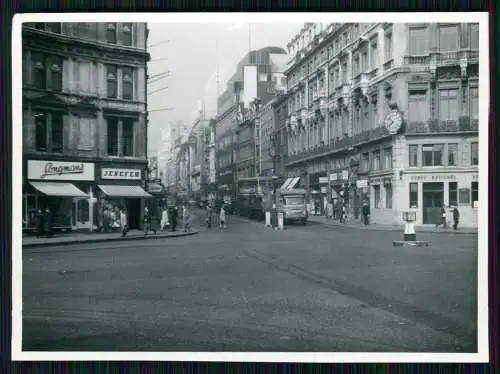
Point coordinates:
[(456, 218), (187, 220), (209, 215), (366, 213), (442, 218), (174, 215), (147, 221), (123, 222), (222, 217), (40, 224), (47, 223), (343, 213), (164, 219)]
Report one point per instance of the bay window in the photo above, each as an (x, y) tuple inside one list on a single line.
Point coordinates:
[(449, 38), (432, 154)]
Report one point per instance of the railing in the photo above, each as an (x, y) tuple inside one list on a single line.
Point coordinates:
[(417, 60), (373, 73), (388, 65), (448, 57), (464, 124)]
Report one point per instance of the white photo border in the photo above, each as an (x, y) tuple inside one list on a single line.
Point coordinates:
[(404, 17)]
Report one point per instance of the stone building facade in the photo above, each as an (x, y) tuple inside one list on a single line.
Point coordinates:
[(343, 82)]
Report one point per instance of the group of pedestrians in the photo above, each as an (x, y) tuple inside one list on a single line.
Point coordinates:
[(442, 221), (336, 210), (44, 223), (222, 216)]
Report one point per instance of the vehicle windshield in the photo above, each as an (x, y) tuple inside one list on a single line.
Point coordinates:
[(294, 200)]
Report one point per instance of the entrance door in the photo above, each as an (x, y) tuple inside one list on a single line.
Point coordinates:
[(433, 197), (134, 213)]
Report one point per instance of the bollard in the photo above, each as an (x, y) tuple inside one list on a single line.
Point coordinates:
[(409, 235), (281, 221), (268, 219)]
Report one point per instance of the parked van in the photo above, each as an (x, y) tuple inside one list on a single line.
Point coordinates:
[(292, 202)]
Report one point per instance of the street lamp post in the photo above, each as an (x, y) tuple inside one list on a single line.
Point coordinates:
[(256, 106), (272, 154)]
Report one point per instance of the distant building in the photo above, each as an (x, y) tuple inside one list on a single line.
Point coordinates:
[(84, 121)]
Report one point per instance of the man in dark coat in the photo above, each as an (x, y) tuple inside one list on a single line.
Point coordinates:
[(366, 213), (174, 215), (47, 223), (456, 218)]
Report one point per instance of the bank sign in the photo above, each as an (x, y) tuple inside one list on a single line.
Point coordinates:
[(60, 170), (128, 174)]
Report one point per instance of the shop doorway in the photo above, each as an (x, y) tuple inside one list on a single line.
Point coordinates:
[(433, 198), (134, 213)]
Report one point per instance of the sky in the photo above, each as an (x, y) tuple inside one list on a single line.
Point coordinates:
[(191, 57)]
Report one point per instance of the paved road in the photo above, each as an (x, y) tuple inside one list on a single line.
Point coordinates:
[(312, 288)]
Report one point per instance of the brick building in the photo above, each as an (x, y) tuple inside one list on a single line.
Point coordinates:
[(84, 121)]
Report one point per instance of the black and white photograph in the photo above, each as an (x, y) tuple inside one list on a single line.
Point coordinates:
[(250, 187)]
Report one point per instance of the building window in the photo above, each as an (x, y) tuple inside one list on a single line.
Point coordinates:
[(85, 126), (86, 30), (128, 138), (373, 54), (112, 136), (432, 154), (474, 153), (418, 41), (448, 105), (418, 106), (111, 33), (448, 38), (365, 162), (55, 74), (413, 152), (413, 195), (39, 75), (474, 36), (474, 192), (40, 131), (344, 73), (112, 81), (128, 83), (57, 132), (376, 160), (355, 66), (474, 102), (376, 196), (364, 61), (54, 27), (452, 194), (452, 154), (127, 33), (388, 196), (388, 158), (388, 46)]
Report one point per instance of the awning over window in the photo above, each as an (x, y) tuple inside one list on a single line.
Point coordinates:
[(58, 189), (124, 191), (290, 183), (283, 186)]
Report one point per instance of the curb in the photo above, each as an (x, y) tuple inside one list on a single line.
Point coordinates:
[(395, 229), (117, 239)]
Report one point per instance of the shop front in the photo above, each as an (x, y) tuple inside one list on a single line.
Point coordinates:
[(379, 188), (65, 188), (120, 186), (428, 191)]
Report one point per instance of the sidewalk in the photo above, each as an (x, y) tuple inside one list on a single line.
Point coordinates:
[(81, 238), (394, 227)]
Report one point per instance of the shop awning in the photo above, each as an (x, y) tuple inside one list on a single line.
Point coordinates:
[(124, 191), (293, 183), (283, 186), (58, 189)]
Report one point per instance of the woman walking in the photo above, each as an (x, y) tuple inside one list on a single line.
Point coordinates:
[(123, 222), (222, 217), (187, 220)]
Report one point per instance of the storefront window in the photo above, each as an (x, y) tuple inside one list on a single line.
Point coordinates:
[(413, 152), (413, 195), (453, 194), (452, 154), (432, 155), (376, 196), (388, 196)]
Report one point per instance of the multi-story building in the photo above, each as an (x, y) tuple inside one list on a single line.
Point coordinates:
[(209, 173), (350, 88), (84, 121), (280, 107), (197, 155), (169, 134)]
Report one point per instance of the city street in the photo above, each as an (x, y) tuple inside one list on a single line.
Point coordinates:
[(248, 288)]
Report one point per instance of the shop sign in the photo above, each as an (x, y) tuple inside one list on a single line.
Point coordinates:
[(362, 183), (435, 177), (345, 174), (376, 180), (128, 174), (60, 170), (323, 189), (227, 172), (333, 176), (155, 188), (323, 180)]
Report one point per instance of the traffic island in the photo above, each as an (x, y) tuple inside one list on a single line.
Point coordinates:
[(99, 238), (409, 235)]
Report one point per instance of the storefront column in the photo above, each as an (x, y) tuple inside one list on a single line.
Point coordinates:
[(446, 194)]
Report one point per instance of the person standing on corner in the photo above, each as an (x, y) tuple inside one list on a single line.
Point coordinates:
[(174, 216), (442, 218), (164, 219), (147, 222), (366, 213), (123, 222), (456, 218), (187, 220), (209, 215), (222, 217), (47, 223)]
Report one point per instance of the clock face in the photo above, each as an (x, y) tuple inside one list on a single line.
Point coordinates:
[(393, 121)]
